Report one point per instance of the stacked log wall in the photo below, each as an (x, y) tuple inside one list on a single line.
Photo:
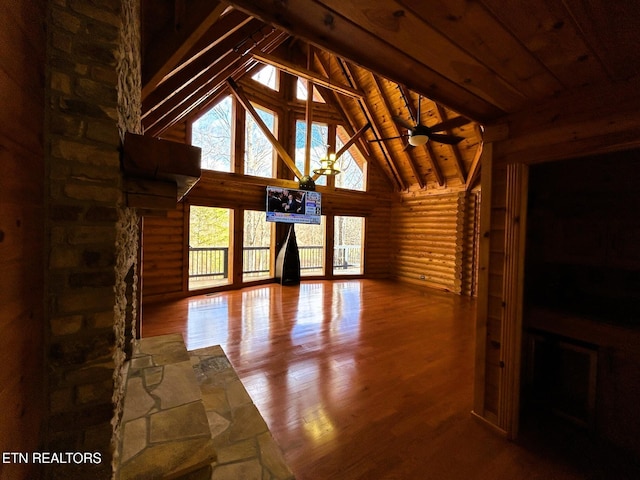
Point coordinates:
[(429, 239)]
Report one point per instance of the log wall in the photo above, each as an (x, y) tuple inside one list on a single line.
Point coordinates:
[(21, 231), (431, 235), (163, 240)]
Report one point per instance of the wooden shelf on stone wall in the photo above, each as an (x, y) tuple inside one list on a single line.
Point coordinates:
[(158, 173)]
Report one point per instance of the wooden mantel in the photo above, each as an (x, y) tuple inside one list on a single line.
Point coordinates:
[(158, 173)]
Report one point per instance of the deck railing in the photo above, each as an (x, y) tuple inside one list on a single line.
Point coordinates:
[(213, 262)]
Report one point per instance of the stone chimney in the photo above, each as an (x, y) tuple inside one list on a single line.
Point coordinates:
[(93, 94)]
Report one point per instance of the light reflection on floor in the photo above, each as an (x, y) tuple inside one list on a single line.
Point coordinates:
[(301, 387)]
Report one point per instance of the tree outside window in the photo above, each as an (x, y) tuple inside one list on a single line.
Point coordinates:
[(212, 133), (258, 151)]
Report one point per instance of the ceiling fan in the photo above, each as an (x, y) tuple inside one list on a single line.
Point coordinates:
[(420, 134)]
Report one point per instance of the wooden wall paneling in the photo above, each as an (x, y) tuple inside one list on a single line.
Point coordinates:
[(470, 241), (426, 234), (484, 249), (378, 247), (513, 290), (495, 311), (22, 236), (164, 254), (178, 133)]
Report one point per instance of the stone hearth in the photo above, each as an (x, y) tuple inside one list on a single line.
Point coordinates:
[(188, 416)]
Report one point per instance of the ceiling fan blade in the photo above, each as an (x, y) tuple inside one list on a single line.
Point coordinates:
[(402, 122), (387, 138), (449, 124), (446, 139)]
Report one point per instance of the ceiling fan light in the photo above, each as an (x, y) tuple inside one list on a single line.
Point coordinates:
[(418, 139)]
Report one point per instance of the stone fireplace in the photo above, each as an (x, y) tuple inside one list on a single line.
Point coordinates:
[(93, 98)]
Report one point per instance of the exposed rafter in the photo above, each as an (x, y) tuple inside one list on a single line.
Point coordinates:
[(307, 75), (397, 133), (375, 126), (454, 150), (238, 44), (174, 41)]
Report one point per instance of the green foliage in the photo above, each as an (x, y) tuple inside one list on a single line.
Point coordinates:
[(209, 227)]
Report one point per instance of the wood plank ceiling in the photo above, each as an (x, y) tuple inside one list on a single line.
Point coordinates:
[(481, 60)]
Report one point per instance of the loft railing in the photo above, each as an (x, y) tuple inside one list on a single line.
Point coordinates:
[(213, 262)]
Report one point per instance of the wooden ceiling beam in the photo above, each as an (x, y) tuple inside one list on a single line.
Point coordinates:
[(437, 171), (474, 169), (198, 69), (340, 103), (462, 174), (406, 94), (321, 26), (348, 122), (354, 138), (389, 110), (199, 93), (430, 48), (170, 45), (375, 126), (224, 28), (307, 74), (435, 166), (244, 101)]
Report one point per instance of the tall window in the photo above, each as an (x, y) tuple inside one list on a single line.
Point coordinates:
[(302, 88), (258, 151), (267, 76), (348, 245), (209, 247), (319, 141), (256, 252), (351, 164), (212, 133), (310, 239)]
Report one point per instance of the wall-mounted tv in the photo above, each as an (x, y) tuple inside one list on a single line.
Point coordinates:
[(290, 205)]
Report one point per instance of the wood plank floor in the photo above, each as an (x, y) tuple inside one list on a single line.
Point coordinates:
[(369, 380)]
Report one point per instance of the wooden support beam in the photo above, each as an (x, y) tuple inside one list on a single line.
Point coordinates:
[(319, 24), (462, 174), (244, 101), (482, 309), (171, 44), (340, 104), (198, 95), (307, 75), (367, 109), (225, 27), (348, 145), (437, 171), (474, 170), (352, 140), (512, 297), (389, 108), (308, 117), (197, 71)]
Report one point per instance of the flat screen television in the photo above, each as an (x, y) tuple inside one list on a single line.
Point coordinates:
[(290, 205)]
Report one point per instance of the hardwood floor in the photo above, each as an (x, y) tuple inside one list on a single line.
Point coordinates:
[(368, 380)]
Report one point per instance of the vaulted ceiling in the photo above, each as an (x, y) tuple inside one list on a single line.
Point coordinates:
[(471, 63)]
